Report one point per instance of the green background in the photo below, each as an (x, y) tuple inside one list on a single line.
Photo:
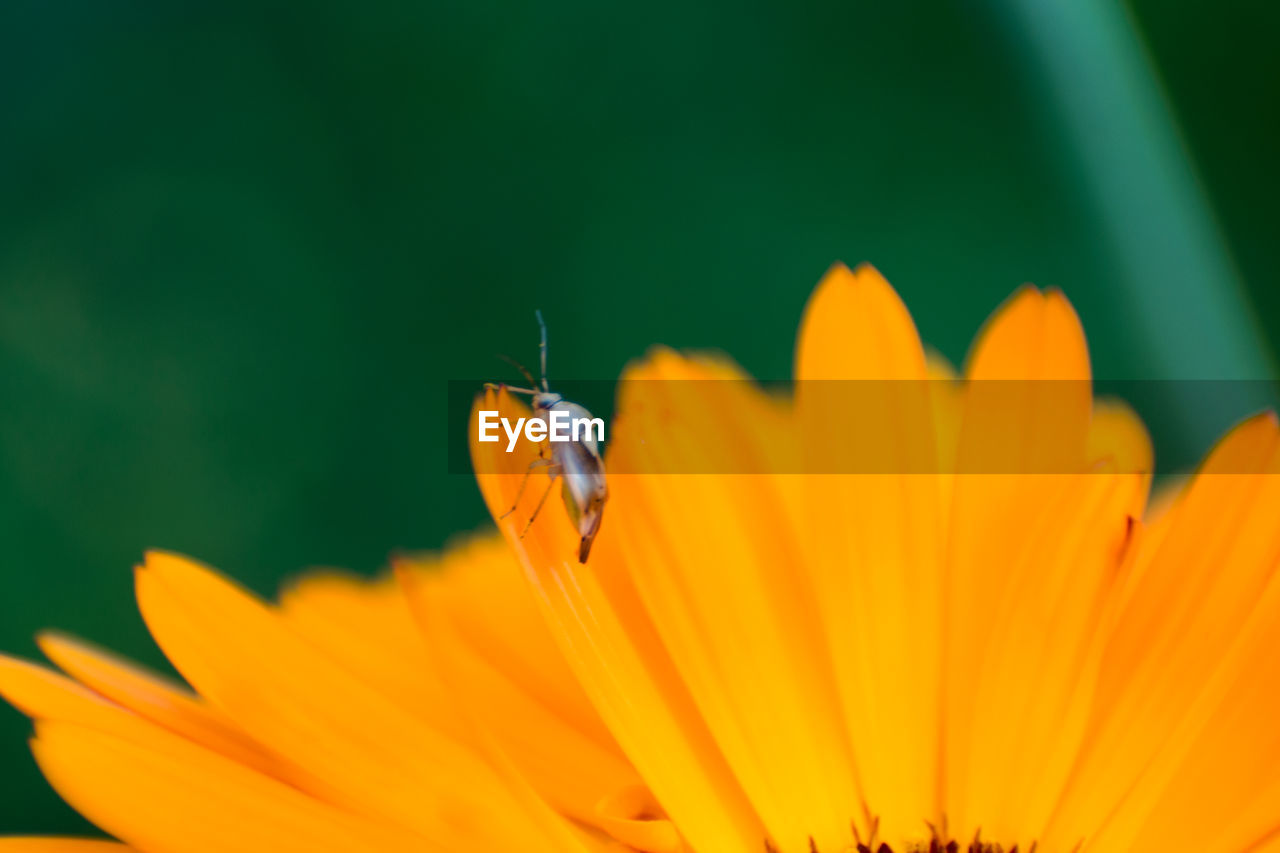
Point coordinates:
[(244, 245)]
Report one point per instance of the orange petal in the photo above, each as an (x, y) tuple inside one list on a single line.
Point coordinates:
[(1118, 436), (60, 845), (1029, 698), (101, 791), (1029, 402), (1025, 424), (378, 758), (366, 627), (566, 764), (480, 584), (631, 815), (1033, 336), (856, 328), (1198, 585), (153, 698), (712, 558), (615, 653), (873, 539), (170, 794), (1223, 789)]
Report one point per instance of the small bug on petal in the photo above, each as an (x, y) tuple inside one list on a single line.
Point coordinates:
[(576, 463)]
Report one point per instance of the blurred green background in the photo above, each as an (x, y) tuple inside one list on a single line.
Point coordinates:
[(243, 245)]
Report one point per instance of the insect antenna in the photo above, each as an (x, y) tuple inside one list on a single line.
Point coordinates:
[(542, 349), (524, 371)]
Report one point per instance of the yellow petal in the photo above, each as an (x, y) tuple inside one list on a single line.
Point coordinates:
[(480, 584), (102, 790), (360, 748), (631, 816), (711, 556), (615, 652), (872, 540), (175, 796), (43, 694), (1200, 585), (1033, 336), (1025, 425), (366, 628), (60, 845), (152, 697), (1029, 402), (1223, 789), (1118, 436), (568, 765), (486, 653), (855, 327), (1031, 692)]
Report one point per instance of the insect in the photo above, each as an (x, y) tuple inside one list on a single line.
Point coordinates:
[(577, 464)]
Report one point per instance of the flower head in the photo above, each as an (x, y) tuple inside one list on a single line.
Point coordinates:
[(985, 639)]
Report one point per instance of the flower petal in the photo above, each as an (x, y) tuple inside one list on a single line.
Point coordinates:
[(712, 559), (376, 630), (102, 790), (873, 540), (366, 627), (1198, 588), (628, 815), (172, 795), (1032, 689), (567, 763), (490, 605), (360, 748), (593, 612), (60, 845), (1224, 792), (1118, 436), (1025, 424), (154, 698)]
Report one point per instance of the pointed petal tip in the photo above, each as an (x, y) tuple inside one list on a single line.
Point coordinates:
[(861, 275), (32, 688), (1033, 334), (856, 326), (57, 645), (165, 560)]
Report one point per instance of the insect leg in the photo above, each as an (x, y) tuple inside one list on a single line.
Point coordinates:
[(554, 472), (496, 386), (524, 371), (537, 463)]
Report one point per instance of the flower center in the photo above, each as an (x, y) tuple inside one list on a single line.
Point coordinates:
[(933, 845)]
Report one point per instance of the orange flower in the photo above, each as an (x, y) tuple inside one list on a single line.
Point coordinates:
[(937, 649)]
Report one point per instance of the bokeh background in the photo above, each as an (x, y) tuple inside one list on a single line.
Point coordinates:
[(244, 245)]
